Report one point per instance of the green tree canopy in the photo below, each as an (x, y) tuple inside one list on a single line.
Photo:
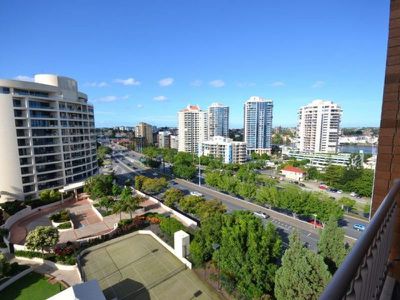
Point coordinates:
[(248, 254), (99, 185), (172, 196), (331, 245), (303, 274)]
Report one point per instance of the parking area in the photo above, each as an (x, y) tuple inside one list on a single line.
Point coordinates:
[(139, 267)]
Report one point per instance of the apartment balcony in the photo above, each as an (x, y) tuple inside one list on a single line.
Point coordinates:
[(363, 273), (372, 268)]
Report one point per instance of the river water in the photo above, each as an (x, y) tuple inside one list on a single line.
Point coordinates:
[(357, 148)]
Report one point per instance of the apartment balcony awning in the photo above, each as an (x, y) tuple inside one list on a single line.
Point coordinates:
[(72, 187)]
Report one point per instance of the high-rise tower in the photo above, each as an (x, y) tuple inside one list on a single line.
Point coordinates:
[(218, 120), (318, 127), (258, 124)]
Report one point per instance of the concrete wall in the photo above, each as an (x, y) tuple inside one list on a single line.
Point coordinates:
[(15, 278), (185, 220), (11, 180)]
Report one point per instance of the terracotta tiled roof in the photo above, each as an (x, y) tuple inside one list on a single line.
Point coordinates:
[(293, 169)]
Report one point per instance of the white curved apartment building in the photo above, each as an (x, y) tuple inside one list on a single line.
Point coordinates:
[(48, 136)]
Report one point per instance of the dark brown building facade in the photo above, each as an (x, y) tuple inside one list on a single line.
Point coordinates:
[(388, 162)]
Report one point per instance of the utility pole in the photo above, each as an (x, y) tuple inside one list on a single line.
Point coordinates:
[(199, 172)]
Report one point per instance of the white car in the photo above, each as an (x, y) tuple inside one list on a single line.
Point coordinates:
[(261, 214), (196, 194)]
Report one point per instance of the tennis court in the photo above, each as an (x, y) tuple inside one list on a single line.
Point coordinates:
[(139, 267)]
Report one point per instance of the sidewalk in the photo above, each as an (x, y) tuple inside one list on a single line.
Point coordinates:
[(71, 277)]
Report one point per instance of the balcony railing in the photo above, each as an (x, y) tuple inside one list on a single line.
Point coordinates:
[(363, 273)]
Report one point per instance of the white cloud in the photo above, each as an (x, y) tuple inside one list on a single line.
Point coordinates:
[(217, 83), (24, 78), (245, 84), (196, 82), (166, 81), (278, 84), (139, 106), (128, 81), (318, 84), (111, 98), (160, 98), (97, 84)]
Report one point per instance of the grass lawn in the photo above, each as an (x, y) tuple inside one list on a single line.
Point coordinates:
[(32, 286)]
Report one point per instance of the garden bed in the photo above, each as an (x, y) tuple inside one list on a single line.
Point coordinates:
[(63, 255)]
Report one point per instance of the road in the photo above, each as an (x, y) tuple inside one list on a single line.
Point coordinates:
[(127, 165)]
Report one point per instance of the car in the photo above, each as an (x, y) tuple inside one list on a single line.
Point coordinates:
[(316, 223), (339, 191), (302, 184), (155, 174), (196, 194), (353, 194), (261, 214), (333, 190), (323, 187), (359, 227)]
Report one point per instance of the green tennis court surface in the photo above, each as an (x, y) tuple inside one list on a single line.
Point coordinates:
[(139, 267)]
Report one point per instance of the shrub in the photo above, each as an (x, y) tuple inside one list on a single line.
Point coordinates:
[(153, 220), (2, 244), (63, 259), (12, 207), (170, 225), (65, 225), (128, 225), (64, 250), (61, 216), (3, 232), (124, 222)]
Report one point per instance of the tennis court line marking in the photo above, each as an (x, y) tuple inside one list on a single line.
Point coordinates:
[(112, 287)]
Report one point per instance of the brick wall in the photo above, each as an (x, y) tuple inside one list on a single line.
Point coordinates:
[(388, 163)]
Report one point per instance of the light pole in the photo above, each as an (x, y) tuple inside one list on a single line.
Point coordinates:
[(199, 172), (315, 220)]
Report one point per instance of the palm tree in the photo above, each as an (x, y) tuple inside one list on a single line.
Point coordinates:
[(131, 204), (118, 207), (104, 203)]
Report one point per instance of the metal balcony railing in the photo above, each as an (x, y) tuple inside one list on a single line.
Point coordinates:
[(362, 274)]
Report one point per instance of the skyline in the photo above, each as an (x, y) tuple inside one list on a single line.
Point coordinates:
[(149, 60)]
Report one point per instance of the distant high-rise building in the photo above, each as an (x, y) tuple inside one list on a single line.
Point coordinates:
[(258, 124), (192, 128), (225, 148), (164, 139), (319, 126), (144, 130), (174, 142), (218, 120), (48, 136)]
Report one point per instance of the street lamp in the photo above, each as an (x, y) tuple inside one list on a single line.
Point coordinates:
[(315, 220), (199, 172), (216, 247)]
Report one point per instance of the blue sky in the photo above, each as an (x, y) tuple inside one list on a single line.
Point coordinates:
[(145, 60)]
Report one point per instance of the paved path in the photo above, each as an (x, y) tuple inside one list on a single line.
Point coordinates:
[(88, 222), (19, 229), (71, 277)]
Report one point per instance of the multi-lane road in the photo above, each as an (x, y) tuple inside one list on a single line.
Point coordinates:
[(126, 165)]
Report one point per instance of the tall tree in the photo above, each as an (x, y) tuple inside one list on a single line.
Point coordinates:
[(172, 196), (331, 245), (248, 254), (303, 274)]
